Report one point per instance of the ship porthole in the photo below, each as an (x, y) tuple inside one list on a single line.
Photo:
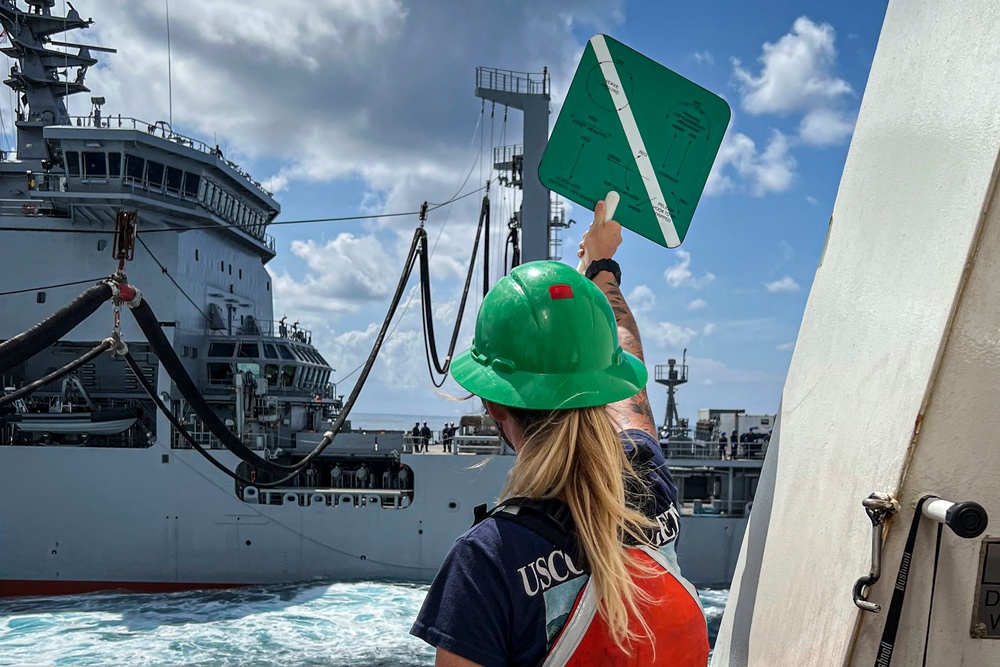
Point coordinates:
[(452, 505)]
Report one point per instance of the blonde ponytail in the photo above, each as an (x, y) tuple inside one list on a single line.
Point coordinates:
[(577, 456)]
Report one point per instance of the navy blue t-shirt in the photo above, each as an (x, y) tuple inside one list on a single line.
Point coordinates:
[(504, 591)]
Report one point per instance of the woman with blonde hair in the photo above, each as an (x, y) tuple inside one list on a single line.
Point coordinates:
[(576, 565)]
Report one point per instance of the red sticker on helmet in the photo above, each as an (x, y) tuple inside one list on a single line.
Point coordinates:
[(560, 291)]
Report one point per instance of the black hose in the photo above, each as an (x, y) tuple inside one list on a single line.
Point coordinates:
[(515, 248), (484, 220), (55, 375), (23, 346), (430, 341), (144, 383), (175, 369), (146, 319)]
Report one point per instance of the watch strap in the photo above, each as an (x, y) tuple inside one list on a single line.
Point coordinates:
[(599, 265)]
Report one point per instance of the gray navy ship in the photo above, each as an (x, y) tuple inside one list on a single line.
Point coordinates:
[(101, 490)]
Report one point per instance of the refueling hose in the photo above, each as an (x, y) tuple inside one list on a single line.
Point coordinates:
[(146, 319), (172, 418), (27, 389), (25, 345), (150, 327), (430, 340)]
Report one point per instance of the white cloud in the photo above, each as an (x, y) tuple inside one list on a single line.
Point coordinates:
[(679, 275), (786, 284), (785, 346), (703, 57), (708, 329), (697, 304), (342, 275), (797, 75), (772, 170), (668, 334), (826, 127), (812, 200), (641, 299), (786, 250)]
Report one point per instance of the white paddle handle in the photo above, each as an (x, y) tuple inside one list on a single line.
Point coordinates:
[(610, 204)]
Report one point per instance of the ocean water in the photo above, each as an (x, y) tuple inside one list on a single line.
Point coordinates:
[(342, 625)]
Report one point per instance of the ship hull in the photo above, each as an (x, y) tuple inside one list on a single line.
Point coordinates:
[(123, 516), (75, 520)]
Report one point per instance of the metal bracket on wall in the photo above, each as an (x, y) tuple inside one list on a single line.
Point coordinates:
[(879, 506)]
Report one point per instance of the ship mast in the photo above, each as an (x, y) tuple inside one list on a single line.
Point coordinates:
[(530, 94), (672, 377), (35, 77)]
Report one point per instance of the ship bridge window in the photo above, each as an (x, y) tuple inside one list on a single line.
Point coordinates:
[(249, 350), (174, 179), (134, 167), (271, 373), (154, 175), (95, 165), (321, 359), (287, 376), (286, 353), (191, 184), (115, 165), (72, 163), (270, 352), (253, 369), (220, 373), (221, 349)]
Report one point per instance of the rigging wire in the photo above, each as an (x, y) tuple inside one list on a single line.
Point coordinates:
[(150, 326), (47, 287), (175, 230), (472, 167), (165, 272)]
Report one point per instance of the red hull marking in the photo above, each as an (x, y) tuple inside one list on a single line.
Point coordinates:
[(34, 588)]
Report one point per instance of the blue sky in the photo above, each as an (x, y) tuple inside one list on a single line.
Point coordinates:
[(361, 108)]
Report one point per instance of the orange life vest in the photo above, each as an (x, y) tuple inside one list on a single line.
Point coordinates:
[(678, 632), (677, 629)]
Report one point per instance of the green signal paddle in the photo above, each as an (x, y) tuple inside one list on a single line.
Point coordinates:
[(631, 126)]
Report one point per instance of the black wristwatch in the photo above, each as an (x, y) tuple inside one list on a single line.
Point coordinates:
[(599, 265)]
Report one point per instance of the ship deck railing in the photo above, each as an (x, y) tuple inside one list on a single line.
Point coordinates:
[(460, 444), (118, 185), (29, 208), (162, 129), (701, 449), (510, 81)]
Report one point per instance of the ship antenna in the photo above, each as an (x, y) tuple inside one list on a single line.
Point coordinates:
[(170, 78)]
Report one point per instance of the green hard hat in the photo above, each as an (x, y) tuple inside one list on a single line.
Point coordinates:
[(546, 339)]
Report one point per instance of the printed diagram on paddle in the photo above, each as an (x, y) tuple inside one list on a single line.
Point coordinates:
[(633, 126)]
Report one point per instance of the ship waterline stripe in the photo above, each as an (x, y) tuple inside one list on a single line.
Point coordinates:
[(635, 142), (43, 587)]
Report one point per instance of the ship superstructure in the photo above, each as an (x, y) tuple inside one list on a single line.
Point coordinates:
[(128, 503), (100, 490)]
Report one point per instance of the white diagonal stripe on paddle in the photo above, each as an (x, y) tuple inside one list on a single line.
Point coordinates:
[(635, 142)]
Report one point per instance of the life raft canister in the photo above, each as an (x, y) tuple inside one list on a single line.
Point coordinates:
[(676, 624)]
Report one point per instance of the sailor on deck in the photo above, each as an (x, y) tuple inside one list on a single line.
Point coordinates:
[(564, 569)]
